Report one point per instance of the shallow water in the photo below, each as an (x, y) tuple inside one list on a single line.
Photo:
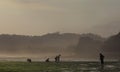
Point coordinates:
[(59, 67)]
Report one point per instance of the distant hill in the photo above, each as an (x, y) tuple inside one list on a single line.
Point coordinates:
[(111, 47), (89, 46), (105, 30), (49, 43), (68, 44)]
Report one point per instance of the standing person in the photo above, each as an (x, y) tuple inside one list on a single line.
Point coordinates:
[(102, 58), (102, 62), (59, 57)]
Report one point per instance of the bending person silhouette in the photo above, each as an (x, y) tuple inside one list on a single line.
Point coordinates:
[(47, 60), (102, 58), (57, 58), (29, 60)]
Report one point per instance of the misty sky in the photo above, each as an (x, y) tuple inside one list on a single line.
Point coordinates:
[(37, 17)]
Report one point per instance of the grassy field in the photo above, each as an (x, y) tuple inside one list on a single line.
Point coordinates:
[(58, 67)]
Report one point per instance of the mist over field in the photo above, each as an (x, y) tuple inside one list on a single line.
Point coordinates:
[(59, 35), (70, 45), (76, 29)]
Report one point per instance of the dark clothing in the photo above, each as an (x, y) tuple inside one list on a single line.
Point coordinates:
[(29, 60), (102, 58), (47, 60), (57, 58)]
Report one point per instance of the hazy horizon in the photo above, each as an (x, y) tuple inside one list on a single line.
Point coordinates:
[(39, 17)]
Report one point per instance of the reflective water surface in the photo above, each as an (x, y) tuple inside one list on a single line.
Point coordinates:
[(59, 67)]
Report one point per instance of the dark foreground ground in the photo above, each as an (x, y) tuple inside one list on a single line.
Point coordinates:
[(60, 67)]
